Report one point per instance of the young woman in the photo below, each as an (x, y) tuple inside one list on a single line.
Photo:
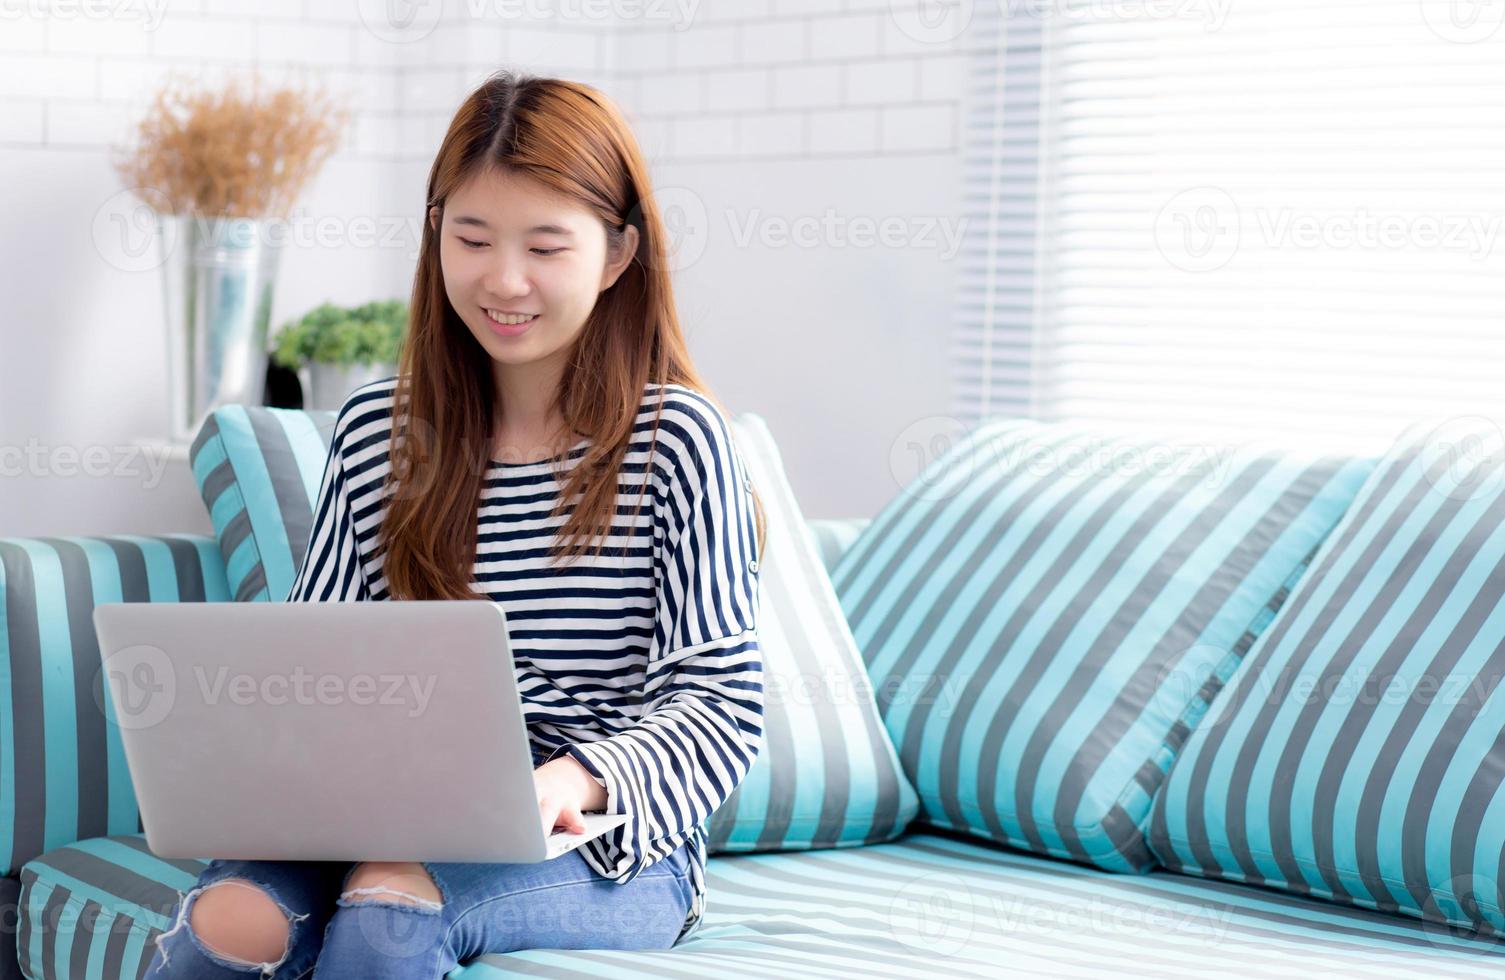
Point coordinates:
[(547, 445)]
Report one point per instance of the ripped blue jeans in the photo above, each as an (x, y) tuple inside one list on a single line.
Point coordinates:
[(337, 934)]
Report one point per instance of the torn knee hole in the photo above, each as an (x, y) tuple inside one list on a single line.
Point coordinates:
[(407, 898), (405, 884), (187, 900)]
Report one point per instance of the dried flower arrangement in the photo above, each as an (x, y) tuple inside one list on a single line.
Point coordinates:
[(238, 152)]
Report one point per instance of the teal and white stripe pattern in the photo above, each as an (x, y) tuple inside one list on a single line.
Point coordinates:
[(63, 773), (93, 909), (1048, 609), (1358, 754), (258, 470), (925, 905), (827, 774), (834, 535)]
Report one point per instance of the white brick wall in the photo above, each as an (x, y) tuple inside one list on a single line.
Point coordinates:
[(828, 68), (70, 80), (767, 111), (79, 81)]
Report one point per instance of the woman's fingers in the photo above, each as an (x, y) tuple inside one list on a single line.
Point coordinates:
[(557, 816), (548, 811)]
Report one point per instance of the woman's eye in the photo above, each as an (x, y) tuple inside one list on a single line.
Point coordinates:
[(540, 251)]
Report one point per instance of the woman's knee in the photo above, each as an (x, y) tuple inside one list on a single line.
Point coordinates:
[(404, 882), (240, 920), (390, 923)]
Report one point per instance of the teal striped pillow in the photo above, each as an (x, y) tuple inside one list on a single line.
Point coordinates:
[(63, 773), (258, 470), (1359, 752), (1048, 610), (827, 775)]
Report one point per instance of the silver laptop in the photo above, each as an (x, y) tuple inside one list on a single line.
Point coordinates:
[(328, 731)]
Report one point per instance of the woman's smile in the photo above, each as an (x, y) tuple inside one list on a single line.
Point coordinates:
[(508, 325)]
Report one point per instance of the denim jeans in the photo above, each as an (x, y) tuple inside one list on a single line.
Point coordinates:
[(484, 908)]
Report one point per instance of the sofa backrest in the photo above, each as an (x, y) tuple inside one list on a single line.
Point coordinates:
[(1049, 607)]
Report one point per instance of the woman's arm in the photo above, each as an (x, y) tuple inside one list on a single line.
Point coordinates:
[(702, 721), (331, 569)]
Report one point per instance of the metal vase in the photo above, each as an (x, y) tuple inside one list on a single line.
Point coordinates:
[(325, 386), (218, 277)]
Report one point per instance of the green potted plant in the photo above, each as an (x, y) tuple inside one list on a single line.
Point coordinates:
[(337, 349)]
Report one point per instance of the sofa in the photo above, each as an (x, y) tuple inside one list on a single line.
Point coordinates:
[(952, 893)]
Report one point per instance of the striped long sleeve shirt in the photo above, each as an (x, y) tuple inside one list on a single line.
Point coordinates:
[(643, 663)]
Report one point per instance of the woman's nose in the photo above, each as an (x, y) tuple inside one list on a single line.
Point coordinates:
[(506, 279)]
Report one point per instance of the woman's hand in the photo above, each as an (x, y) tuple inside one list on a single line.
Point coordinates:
[(565, 788)]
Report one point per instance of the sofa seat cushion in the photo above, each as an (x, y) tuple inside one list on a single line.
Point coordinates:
[(924, 905)]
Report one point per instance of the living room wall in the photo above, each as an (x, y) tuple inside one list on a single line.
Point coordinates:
[(781, 138)]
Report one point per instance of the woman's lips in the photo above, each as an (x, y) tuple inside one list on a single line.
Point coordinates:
[(509, 329)]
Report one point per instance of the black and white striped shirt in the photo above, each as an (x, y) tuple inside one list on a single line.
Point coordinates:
[(643, 664)]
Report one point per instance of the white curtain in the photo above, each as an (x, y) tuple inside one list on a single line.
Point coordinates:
[(1278, 219)]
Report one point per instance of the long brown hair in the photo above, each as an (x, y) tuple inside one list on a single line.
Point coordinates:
[(570, 137)]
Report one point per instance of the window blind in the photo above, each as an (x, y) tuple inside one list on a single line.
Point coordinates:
[(998, 285), (1274, 220)]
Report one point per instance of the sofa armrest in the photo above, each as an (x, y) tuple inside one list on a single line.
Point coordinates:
[(834, 535), (64, 777)]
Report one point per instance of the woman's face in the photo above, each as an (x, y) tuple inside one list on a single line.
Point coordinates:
[(509, 244)]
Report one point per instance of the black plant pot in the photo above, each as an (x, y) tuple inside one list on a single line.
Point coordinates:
[(283, 389)]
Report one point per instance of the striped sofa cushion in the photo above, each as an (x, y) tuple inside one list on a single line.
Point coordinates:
[(258, 470), (827, 775), (834, 535), (93, 910), (63, 773), (1359, 753), (924, 905), (1048, 609)]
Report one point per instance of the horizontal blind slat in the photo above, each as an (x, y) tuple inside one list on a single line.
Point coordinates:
[(1167, 219)]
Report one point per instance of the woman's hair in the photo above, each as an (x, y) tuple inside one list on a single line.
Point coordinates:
[(571, 138)]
